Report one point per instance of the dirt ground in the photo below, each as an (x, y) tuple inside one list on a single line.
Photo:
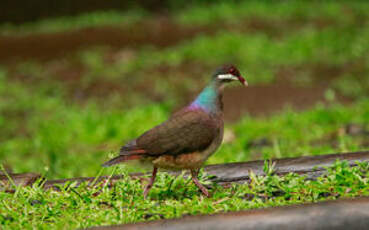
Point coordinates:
[(162, 32), (255, 100), (267, 99)]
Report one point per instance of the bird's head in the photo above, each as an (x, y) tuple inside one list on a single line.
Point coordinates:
[(229, 73)]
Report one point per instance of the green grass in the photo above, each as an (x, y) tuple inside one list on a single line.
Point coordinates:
[(67, 23), (82, 207), (291, 134), (202, 13), (259, 55), (308, 55), (271, 10), (40, 131), (46, 127), (289, 38)]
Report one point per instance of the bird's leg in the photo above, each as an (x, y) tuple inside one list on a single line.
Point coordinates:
[(194, 174), (149, 185)]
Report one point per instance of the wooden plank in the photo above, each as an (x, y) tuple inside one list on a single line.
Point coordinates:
[(337, 215), (19, 179), (311, 166)]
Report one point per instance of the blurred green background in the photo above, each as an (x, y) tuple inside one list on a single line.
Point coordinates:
[(73, 89)]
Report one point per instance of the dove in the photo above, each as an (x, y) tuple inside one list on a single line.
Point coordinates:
[(189, 137)]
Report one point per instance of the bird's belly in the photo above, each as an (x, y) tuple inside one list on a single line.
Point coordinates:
[(184, 161), (188, 160)]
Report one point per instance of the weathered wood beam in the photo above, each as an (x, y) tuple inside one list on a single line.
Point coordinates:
[(311, 166), (337, 215), (17, 179)]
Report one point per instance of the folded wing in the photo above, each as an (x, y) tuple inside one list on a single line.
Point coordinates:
[(185, 132)]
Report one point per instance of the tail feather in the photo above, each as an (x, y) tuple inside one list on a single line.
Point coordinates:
[(128, 152), (120, 159), (131, 152), (130, 146)]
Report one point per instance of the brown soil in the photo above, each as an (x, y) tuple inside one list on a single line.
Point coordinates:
[(161, 32), (42, 46), (254, 100), (267, 99)]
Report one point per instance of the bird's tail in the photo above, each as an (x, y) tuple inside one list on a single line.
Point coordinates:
[(128, 152), (120, 159)]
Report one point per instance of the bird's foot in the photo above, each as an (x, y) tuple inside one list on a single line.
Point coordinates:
[(198, 184), (203, 189)]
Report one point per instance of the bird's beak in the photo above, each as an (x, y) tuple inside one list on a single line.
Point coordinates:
[(243, 81)]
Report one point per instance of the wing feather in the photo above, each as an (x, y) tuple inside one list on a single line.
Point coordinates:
[(187, 131)]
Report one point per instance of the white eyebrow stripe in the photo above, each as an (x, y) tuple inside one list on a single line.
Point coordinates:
[(227, 76)]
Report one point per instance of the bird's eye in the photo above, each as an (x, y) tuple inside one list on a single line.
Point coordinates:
[(231, 70)]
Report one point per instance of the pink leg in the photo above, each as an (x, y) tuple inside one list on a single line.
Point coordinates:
[(149, 185), (197, 182)]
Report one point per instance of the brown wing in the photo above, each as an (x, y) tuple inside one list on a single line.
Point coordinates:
[(186, 131)]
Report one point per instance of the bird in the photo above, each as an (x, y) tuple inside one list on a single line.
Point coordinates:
[(189, 136)]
